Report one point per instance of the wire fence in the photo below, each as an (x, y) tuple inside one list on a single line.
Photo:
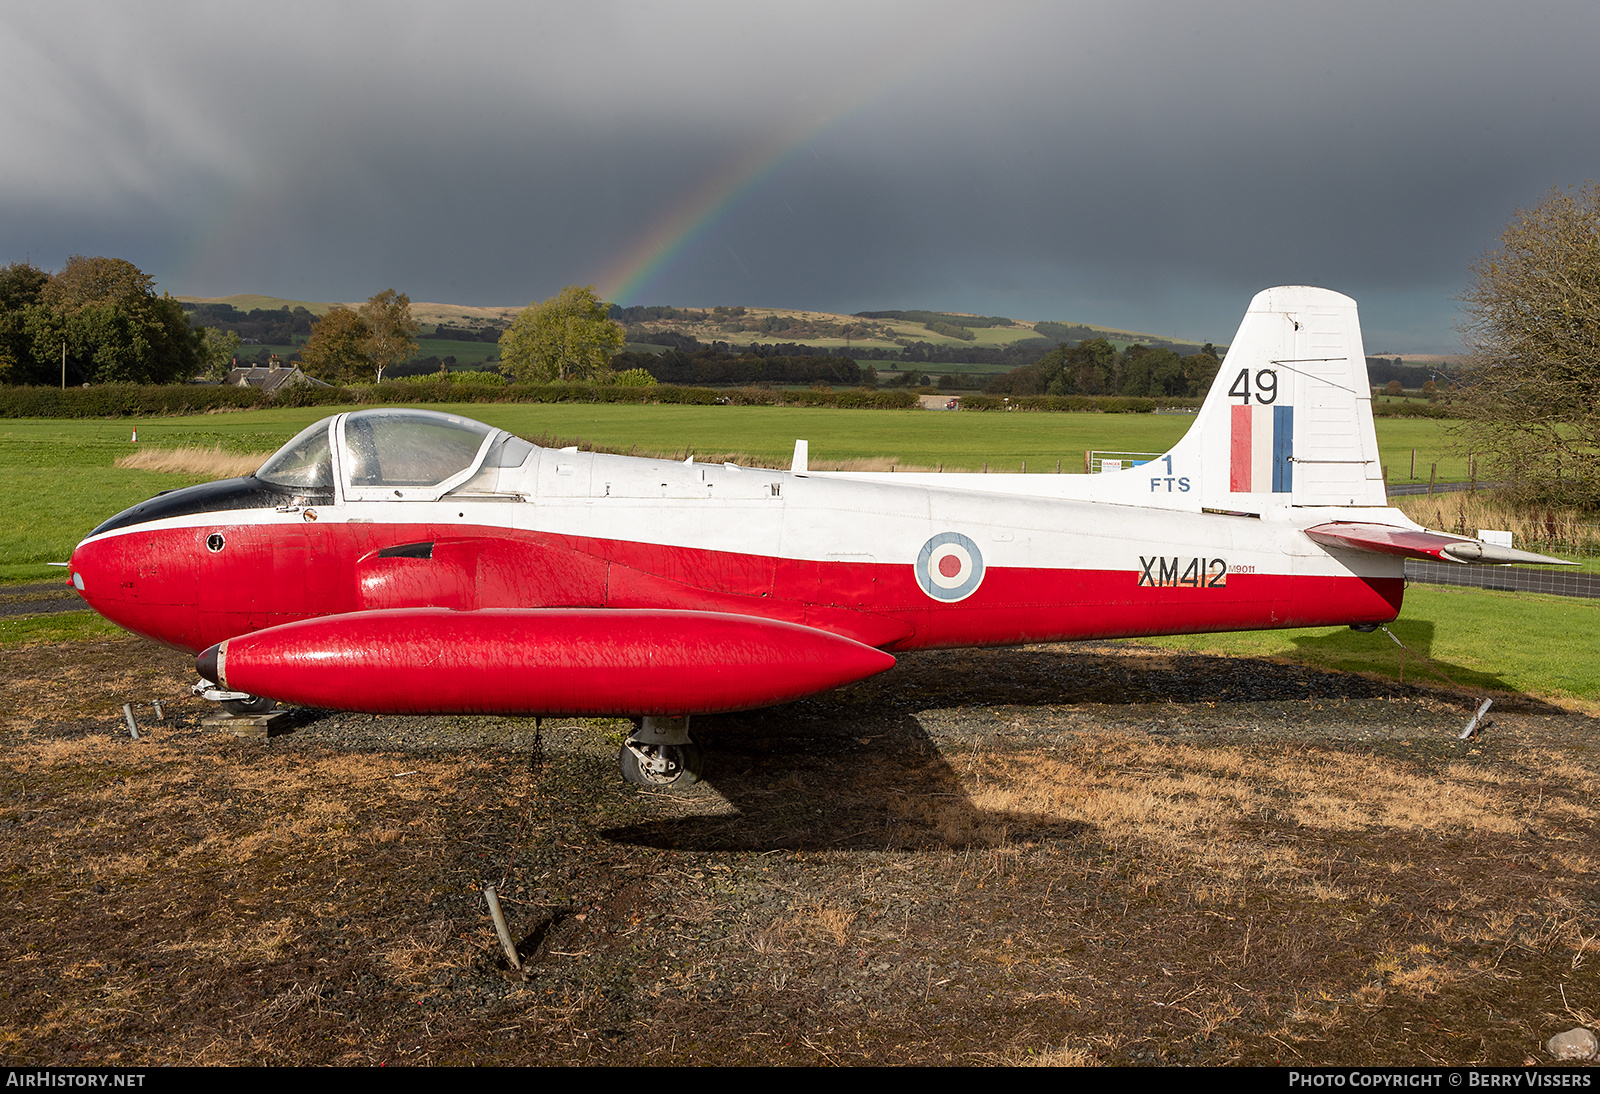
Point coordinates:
[(1515, 579), (1582, 580)]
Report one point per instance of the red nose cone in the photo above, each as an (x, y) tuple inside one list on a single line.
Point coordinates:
[(143, 581)]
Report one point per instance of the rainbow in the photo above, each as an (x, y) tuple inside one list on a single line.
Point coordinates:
[(719, 196), (695, 214)]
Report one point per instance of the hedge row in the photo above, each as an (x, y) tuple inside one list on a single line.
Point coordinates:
[(135, 400), (145, 400), (124, 400), (1412, 410), (1104, 404)]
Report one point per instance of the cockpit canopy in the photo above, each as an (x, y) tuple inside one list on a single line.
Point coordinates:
[(305, 464), (394, 454), (415, 448)]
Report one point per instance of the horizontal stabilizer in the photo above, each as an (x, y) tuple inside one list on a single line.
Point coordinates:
[(1385, 539)]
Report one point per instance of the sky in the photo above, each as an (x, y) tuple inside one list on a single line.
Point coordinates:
[(1144, 165)]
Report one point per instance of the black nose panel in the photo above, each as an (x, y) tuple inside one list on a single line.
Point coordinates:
[(209, 497)]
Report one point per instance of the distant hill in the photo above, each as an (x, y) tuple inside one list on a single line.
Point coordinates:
[(740, 325), (456, 315), (886, 329)]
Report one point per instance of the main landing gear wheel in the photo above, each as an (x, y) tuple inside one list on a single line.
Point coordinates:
[(661, 765), (254, 704), (659, 753)]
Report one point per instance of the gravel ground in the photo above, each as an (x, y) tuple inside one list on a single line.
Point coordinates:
[(1089, 853)]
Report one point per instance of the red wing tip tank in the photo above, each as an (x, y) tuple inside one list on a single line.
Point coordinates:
[(570, 661)]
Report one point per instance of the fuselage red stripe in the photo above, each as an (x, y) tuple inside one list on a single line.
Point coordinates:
[(266, 577)]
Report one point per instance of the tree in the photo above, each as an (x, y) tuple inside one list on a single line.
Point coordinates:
[(391, 332), (336, 350), (1532, 386), (567, 337), (106, 313), (217, 350), (633, 377), (85, 280), (21, 284)]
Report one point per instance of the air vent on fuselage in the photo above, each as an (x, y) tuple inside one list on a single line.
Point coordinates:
[(408, 550)]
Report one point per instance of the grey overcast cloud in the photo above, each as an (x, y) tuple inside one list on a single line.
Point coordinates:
[(1147, 165)]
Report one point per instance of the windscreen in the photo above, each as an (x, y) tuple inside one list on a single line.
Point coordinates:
[(305, 463)]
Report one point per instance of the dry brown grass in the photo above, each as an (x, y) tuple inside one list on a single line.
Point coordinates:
[(1192, 800), (1464, 514), (211, 462), (1068, 1055), (443, 947), (812, 922)]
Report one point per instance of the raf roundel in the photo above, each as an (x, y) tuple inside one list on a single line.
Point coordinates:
[(949, 567)]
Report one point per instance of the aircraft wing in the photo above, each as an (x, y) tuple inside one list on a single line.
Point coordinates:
[(1434, 546)]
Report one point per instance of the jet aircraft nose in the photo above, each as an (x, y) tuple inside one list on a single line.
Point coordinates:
[(143, 581), (141, 568)]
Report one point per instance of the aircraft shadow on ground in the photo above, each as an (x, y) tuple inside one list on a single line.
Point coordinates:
[(856, 770), (802, 780), (1123, 675), (1377, 652)]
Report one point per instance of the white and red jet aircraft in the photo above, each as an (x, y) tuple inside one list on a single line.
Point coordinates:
[(405, 561)]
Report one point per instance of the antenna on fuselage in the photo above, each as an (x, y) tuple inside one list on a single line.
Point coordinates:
[(802, 449)]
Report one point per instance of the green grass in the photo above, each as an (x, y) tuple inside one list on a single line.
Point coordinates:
[(958, 441), (57, 479), (1476, 638), (22, 630), (465, 353), (1434, 440)]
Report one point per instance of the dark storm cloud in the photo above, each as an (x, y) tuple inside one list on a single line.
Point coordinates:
[(1145, 165)]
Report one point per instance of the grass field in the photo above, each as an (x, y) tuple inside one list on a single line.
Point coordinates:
[(1473, 638), (57, 479)]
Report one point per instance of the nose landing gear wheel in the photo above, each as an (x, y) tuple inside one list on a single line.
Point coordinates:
[(661, 765), (254, 704)]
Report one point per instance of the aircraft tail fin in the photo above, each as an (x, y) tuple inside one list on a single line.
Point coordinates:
[(1288, 419)]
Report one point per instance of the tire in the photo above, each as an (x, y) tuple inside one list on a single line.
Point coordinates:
[(684, 766), (256, 704)]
